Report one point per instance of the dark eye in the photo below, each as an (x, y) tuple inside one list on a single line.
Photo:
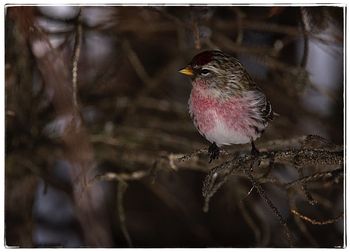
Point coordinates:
[(204, 72)]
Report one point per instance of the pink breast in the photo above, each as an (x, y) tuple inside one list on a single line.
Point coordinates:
[(200, 107), (207, 110)]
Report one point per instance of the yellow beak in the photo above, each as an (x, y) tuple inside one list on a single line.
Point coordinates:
[(187, 71)]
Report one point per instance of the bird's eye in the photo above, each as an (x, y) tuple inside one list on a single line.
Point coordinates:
[(204, 72)]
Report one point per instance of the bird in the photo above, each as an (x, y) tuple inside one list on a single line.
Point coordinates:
[(226, 105)]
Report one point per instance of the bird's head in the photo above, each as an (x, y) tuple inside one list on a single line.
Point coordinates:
[(214, 69)]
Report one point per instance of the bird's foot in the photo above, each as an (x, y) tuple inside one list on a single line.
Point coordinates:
[(213, 152), (254, 151), (255, 155)]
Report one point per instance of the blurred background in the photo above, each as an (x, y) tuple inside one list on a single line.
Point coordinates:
[(96, 119)]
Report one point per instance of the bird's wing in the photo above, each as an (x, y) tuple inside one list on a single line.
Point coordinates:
[(266, 110), (264, 105)]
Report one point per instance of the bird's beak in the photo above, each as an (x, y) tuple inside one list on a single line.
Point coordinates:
[(187, 71)]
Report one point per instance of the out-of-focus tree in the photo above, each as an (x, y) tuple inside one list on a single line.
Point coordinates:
[(99, 144)]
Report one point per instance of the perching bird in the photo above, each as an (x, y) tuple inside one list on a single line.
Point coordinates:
[(226, 105)]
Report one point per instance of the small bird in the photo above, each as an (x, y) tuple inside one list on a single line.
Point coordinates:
[(226, 105)]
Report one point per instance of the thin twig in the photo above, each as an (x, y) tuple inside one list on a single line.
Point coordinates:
[(317, 222), (250, 221), (305, 37), (216, 178), (269, 27), (271, 205), (334, 174), (137, 64), (122, 186), (248, 194), (300, 224), (110, 176), (76, 56), (304, 188), (239, 17), (195, 31)]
